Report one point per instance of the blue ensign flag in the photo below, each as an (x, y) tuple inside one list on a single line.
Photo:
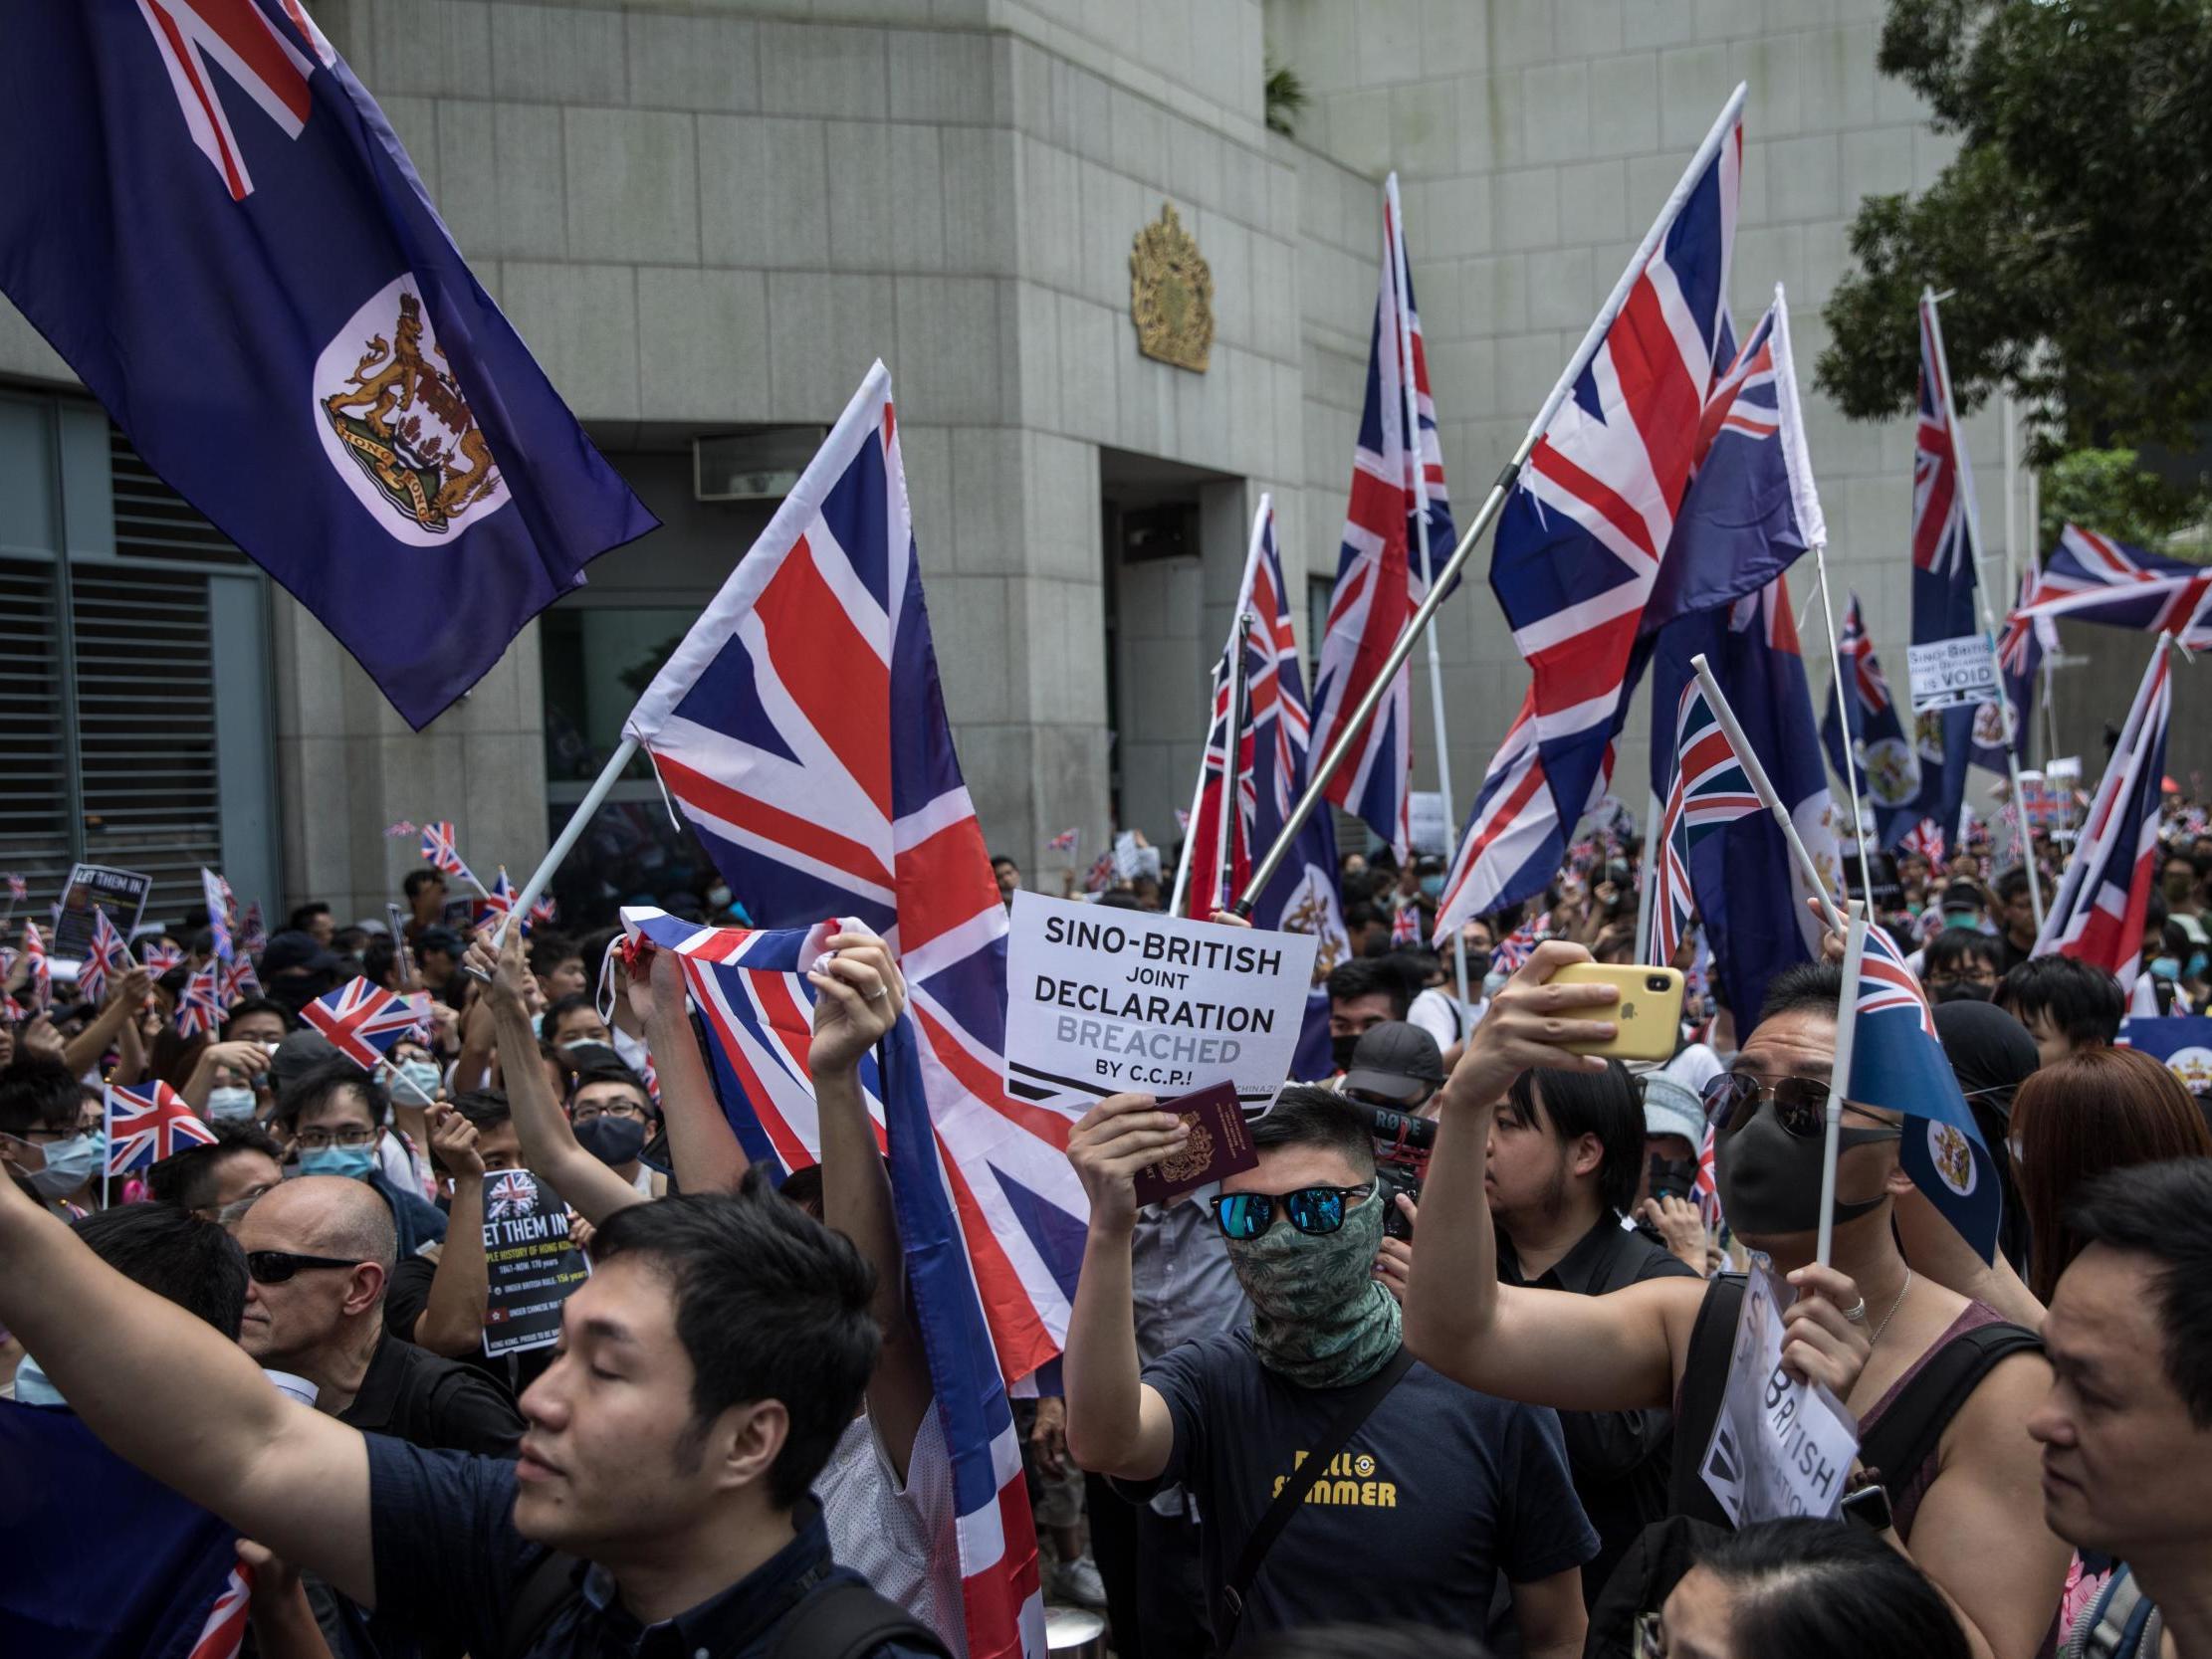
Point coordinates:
[(210, 219)]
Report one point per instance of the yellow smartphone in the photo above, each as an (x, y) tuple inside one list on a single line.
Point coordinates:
[(1649, 1016)]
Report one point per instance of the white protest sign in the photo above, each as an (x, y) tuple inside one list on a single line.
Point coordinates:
[(1779, 1447), (1426, 827), (2066, 767), (1127, 856), (1952, 673), (1101, 1001)]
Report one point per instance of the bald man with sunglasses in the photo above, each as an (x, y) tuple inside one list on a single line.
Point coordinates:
[(1865, 1327)]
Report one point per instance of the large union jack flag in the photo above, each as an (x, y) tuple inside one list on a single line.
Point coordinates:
[(362, 1021), (1710, 789), (2094, 578), (1580, 540), (146, 1126), (752, 992), (2097, 915), (1898, 1063), (801, 729), (1398, 529)]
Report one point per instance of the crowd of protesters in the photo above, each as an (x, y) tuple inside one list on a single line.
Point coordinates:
[(1486, 1386)]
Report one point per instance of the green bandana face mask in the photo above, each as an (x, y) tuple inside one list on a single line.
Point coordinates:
[(1319, 1315)]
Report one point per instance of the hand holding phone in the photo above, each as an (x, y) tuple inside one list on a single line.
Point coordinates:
[(1648, 1020)]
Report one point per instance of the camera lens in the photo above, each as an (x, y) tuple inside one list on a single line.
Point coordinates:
[(1655, 982)]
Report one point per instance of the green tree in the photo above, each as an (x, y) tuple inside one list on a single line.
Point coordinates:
[(2073, 229), (2104, 490)]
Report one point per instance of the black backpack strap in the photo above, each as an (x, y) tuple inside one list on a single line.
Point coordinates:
[(1355, 1412), (847, 1620), (549, 1587), (1712, 1342), (1909, 1431)]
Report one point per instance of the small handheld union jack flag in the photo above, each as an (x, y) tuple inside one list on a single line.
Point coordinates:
[(542, 913), (253, 933), (497, 901), (146, 1126), (362, 1021), (1926, 839), (42, 973), (240, 982), (1066, 842), (1101, 875), (200, 1010), (18, 889), (1405, 927), (402, 829), (1519, 946), (222, 910), (107, 955), (440, 852), (160, 956)]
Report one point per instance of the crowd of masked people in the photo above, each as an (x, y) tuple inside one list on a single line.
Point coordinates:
[(1437, 1376)]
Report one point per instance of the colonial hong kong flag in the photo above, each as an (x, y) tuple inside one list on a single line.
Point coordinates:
[(1898, 1063), (1862, 711), (200, 1010), (1709, 789), (362, 1021), (754, 998), (801, 731), (213, 223), (2098, 914), (2094, 578), (1581, 540), (1397, 531), (145, 1125)]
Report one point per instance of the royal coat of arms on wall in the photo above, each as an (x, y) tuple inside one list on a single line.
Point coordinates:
[(1171, 293)]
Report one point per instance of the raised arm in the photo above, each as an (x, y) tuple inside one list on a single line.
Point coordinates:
[(1549, 1347), (1116, 1423), (452, 1319), (124, 997), (860, 998), (549, 1145), (278, 1471), (701, 1146)]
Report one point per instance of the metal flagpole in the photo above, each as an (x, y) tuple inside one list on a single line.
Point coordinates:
[(1851, 761), (1493, 503), (1989, 621), (1197, 800), (1847, 1028), (1403, 299), (1222, 874), (1646, 903), (571, 833), (1752, 769)]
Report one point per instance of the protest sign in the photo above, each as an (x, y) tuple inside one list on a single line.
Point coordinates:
[(121, 893), (1103, 1002), (531, 1261), (1426, 828), (2182, 1041), (1952, 673), (1779, 1447)]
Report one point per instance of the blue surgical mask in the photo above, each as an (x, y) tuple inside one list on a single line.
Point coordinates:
[(69, 1166), (2166, 967), (234, 1105), (1432, 886), (422, 1077), (2197, 961), (352, 1163)]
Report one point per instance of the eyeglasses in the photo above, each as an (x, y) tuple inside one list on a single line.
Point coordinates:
[(274, 1267), (315, 1140), (1799, 1104), (585, 1112), (1310, 1210)]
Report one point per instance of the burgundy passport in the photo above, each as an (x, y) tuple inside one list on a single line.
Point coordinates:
[(1220, 1146)]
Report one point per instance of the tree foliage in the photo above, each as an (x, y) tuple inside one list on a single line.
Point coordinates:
[(2074, 228), (2106, 489)]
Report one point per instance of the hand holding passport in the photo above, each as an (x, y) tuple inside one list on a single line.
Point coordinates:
[(1220, 1146)]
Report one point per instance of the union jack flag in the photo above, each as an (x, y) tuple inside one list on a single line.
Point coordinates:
[(402, 829), (1888, 767), (200, 1010), (1182, 821), (2094, 578), (1898, 1063), (543, 912), (362, 1021), (1100, 876), (1710, 789), (108, 953), (253, 935), (1397, 530), (240, 982), (1926, 839), (224, 1629), (509, 1195), (1066, 841), (1580, 540), (222, 910), (146, 1126), (1706, 1187), (2098, 914), (1518, 945), (752, 992), (18, 889), (801, 729), (159, 957), (1405, 927), (40, 971), (498, 901), (440, 852)]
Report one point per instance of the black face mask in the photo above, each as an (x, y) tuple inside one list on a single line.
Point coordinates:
[(1674, 1178), (296, 990), (613, 1141), (1340, 1051), (1770, 1179), (1960, 990)]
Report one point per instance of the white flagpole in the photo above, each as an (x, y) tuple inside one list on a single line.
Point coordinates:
[(1356, 725), (1981, 593), (1647, 901), (1197, 800), (1851, 761), (1409, 399), (1757, 774), (1847, 1026), (571, 832)]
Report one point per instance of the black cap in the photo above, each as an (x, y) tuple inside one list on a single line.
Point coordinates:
[(1963, 894), (288, 951), (1396, 1061)]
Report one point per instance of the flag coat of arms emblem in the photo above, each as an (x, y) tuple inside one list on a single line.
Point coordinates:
[(212, 221), (1862, 711)]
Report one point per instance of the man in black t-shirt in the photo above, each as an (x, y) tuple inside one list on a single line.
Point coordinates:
[(1439, 1492)]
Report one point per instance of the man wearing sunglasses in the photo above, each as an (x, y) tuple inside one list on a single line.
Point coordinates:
[(1864, 1327), (1437, 1492)]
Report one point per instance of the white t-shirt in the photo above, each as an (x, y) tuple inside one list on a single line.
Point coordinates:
[(1693, 1068), (1444, 1017), (903, 1540)]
